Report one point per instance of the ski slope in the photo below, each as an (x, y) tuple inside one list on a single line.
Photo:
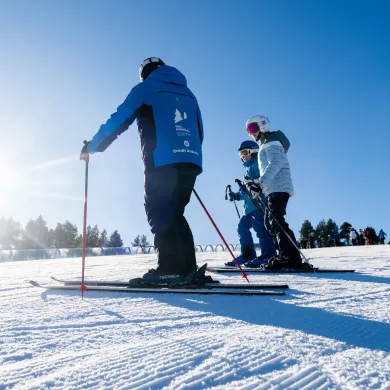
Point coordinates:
[(331, 331)]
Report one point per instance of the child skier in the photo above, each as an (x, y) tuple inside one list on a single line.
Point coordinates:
[(276, 184), (252, 216)]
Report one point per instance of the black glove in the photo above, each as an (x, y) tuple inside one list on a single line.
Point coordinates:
[(240, 185), (233, 196), (254, 187), (84, 155)]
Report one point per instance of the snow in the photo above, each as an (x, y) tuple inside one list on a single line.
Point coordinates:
[(331, 331)]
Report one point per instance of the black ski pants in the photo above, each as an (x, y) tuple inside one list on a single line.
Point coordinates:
[(167, 191), (277, 204)]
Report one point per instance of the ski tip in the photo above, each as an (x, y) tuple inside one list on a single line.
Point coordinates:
[(34, 283)]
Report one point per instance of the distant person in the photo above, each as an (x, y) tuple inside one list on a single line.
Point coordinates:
[(369, 237), (382, 236), (332, 239), (170, 127), (304, 241), (362, 237), (276, 184), (253, 215), (352, 236), (311, 244)]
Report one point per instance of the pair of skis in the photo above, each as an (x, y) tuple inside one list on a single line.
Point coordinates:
[(227, 269), (214, 288), (205, 289)]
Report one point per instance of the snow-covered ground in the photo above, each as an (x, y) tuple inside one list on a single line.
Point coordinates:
[(331, 331)]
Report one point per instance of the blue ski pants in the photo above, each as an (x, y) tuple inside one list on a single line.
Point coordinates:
[(255, 221)]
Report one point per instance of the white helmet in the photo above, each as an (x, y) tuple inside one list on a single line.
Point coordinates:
[(261, 121)]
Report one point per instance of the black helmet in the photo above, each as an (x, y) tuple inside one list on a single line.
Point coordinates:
[(148, 66)]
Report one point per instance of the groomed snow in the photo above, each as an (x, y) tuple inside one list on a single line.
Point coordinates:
[(331, 331)]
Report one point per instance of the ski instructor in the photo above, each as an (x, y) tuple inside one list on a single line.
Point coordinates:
[(171, 131)]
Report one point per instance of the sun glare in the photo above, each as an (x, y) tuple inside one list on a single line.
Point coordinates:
[(9, 178)]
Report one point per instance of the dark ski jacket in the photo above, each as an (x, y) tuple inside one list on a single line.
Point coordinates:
[(168, 118)]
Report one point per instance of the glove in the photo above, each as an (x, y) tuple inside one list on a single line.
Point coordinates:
[(241, 186), (254, 187), (233, 196), (84, 155)]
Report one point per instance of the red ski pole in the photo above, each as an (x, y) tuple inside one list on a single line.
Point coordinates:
[(83, 287), (244, 275)]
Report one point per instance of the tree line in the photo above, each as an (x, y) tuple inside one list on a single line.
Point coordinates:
[(326, 231), (37, 235)]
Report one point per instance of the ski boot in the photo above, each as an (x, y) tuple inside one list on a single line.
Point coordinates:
[(257, 262), (240, 259), (279, 262), (199, 278), (156, 277)]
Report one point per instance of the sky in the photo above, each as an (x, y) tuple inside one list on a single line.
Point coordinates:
[(319, 70)]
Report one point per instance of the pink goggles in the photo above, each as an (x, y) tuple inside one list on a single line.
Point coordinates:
[(252, 128)]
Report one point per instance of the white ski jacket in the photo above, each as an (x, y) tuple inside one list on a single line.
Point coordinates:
[(274, 167)]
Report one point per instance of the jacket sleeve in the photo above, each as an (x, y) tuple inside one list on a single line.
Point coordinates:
[(235, 195), (118, 122), (200, 125), (274, 159)]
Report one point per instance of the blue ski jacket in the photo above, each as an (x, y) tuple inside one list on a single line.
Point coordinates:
[(252, 172), (168, 118)]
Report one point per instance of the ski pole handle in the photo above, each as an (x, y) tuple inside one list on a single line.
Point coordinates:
[(228, 187)]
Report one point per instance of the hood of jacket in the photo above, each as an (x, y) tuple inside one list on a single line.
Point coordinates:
[(168, 74), (278, 136)]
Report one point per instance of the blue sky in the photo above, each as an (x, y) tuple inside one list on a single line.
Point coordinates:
[(320, 70)]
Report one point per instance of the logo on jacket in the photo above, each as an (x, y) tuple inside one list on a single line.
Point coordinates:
[(186, 143), (179, 117)]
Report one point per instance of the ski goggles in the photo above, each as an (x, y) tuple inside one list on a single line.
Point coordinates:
[(247, 152), (252, 128)]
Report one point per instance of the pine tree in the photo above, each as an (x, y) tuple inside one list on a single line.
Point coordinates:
[(137, 241), (93, 237), (65, 235), (115, 240), (51, 238), (142, 242), (10, 232), (103, 240), (35, 235), (344, 230), (321, 234)]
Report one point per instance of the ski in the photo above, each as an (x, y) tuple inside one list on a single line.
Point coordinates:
[(277, 271), (161, 290), (114, 283)]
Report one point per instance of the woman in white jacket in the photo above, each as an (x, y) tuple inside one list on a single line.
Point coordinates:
[(276, 183)]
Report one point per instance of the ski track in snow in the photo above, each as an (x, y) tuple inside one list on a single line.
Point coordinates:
[(331, 331)]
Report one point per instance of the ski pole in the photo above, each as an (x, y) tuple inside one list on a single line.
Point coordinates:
[(83, 287), (244, 275), (265, 206), (228, 187)]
